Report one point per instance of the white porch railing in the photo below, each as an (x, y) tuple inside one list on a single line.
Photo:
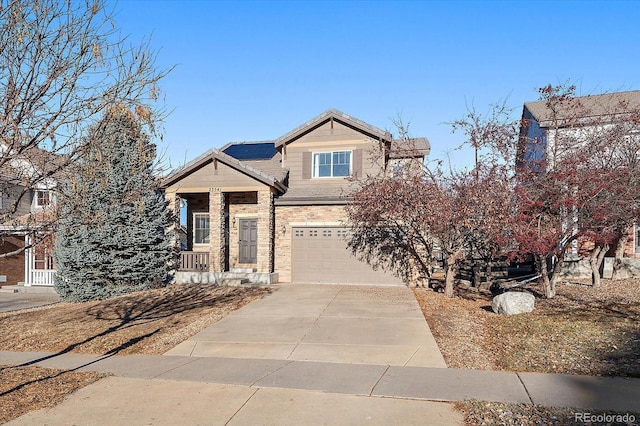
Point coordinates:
[(41, 277), (33, 275)]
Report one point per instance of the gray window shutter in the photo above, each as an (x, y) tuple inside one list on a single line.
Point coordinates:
[(357, 163), (306, 165)]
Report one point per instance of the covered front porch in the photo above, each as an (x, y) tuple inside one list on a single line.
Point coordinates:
[(226, 217), (226, 236)]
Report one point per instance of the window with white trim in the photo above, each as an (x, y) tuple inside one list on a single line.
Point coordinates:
[(43, 198), (201, 228), (331, 164)]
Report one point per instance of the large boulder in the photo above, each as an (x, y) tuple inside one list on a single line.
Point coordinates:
[(513, 303)]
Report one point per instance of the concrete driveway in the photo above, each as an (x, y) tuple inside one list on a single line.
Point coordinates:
[(16, 301), (377, 325)]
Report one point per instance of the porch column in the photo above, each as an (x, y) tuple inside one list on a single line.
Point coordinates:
[(216, 230), (28, 261), (265, 231), (173, 204)]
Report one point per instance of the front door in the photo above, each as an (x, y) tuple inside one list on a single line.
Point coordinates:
[(248, 241)]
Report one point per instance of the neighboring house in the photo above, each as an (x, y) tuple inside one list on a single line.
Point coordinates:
[(584, 118), (278, 207), (26, 213)]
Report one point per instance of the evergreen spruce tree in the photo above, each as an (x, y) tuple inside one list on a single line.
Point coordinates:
[(111, 237)]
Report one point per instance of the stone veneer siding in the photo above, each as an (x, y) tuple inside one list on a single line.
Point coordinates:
[(265, 231), (216, 231), (284, 216), (173, 205)]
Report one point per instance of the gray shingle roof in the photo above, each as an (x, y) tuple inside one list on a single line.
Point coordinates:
[(316, 194), (608, 104), (272, 167), (413, 147)]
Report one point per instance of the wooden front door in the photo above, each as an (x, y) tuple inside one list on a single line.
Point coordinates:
[(248, 241)]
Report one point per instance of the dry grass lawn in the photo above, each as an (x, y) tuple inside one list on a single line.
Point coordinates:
[(23, 389), (149, 322)]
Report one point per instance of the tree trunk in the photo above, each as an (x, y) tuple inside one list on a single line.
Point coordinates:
[(477, 274), (617, 262), (450, 272), (548, 285), (449, 278), (489, 274), (595, 261)]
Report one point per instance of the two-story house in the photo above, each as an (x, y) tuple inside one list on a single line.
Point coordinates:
[(573, 119), (278, 207), (27, 215)]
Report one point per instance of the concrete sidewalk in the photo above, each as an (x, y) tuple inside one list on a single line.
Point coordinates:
[(123, 401), (237, 391), (367, 380)]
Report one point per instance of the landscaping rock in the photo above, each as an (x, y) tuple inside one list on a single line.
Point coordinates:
[(513, 303)]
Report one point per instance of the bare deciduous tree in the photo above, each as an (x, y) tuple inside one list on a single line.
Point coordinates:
[(62, 64)]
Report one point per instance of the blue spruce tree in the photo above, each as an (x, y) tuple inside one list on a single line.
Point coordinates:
[(112, 234)]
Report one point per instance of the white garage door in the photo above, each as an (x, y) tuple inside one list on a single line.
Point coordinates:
[(320, 255)]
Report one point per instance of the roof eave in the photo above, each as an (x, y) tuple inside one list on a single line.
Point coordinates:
[(310, 201)]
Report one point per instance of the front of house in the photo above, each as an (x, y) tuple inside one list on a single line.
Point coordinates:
[(278, 207)]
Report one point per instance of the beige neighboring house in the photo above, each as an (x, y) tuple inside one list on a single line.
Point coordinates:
[(274, 211), (26, 213), (587, 114)]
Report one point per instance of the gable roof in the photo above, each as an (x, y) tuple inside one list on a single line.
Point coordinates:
[(608, 104), (333, 114), (216, 155)]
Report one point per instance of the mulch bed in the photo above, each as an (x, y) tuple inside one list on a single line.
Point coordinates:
[(482, 413), (581, 331)]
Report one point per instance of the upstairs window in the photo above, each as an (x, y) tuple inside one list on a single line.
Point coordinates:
[(332, 164), (43, 198), (201, 228)]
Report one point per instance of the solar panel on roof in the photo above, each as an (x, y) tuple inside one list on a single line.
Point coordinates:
[(251, 151)]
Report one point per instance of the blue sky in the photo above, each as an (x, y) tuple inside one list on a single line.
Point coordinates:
[(255, 70)]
